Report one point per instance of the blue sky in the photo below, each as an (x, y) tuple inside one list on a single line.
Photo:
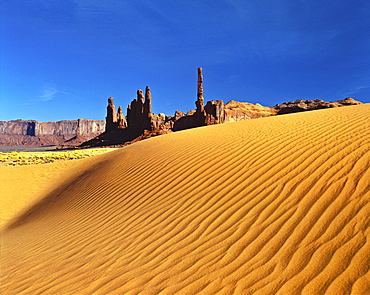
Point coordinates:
[(63, 59)]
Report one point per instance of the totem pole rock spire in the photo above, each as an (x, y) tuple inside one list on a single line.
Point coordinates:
[(200, 98), (200, 114)]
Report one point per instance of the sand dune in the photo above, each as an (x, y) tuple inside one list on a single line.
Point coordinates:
[(21, 187), (276, 205)]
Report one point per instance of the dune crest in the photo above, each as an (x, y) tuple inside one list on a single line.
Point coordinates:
[(276, 205)]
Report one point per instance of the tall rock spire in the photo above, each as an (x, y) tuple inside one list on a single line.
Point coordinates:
[(200, 99), (200, 115), (111, 118), (148, 101), (148, 109)]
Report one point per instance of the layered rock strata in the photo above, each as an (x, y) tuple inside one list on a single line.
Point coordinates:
[(301, 105), (239, 111), (215, 112), (34, 133)]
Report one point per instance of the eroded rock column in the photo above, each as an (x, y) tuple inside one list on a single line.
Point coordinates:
[(200, 115), (121, 120), (111, 118), (139, 112)]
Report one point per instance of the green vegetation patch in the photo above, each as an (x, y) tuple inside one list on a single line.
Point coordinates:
[(29, 158)]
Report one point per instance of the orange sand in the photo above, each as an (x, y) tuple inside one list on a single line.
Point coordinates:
[(276, 205)]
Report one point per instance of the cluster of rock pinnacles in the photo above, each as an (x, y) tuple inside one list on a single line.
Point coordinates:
[(140, 117)]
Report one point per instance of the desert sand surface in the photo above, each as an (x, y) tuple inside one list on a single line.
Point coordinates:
[(276, 205), (23, 186)]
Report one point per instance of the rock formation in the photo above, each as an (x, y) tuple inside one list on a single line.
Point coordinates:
[(212, 113), (139, 112), (121, 120), (301, 105), (140, 118), (111, 118), (215, 112), (200, 115), (142, 123), (240, 111), (34, 133)]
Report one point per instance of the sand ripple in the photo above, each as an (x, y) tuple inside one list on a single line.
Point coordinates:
[(276, 205)]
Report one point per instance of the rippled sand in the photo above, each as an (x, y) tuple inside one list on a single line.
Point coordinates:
[(276, 205)]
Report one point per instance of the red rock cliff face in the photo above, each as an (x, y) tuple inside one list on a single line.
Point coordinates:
[(34, 133), (302, 105), (17, 127)]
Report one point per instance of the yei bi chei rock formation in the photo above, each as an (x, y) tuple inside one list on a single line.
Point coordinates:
[(139, 115)]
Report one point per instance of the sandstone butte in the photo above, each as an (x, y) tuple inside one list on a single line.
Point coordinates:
[(278, 205)]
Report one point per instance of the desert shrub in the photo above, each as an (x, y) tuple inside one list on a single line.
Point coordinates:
[(28, 158)]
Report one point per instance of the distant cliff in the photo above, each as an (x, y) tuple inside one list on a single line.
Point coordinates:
[(34, 133), (238, 111)]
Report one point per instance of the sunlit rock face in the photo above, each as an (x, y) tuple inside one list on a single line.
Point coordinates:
[(301, 105), (239, 111), (34, 133)]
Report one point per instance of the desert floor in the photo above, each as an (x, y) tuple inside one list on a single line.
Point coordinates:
[(276, 205)]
